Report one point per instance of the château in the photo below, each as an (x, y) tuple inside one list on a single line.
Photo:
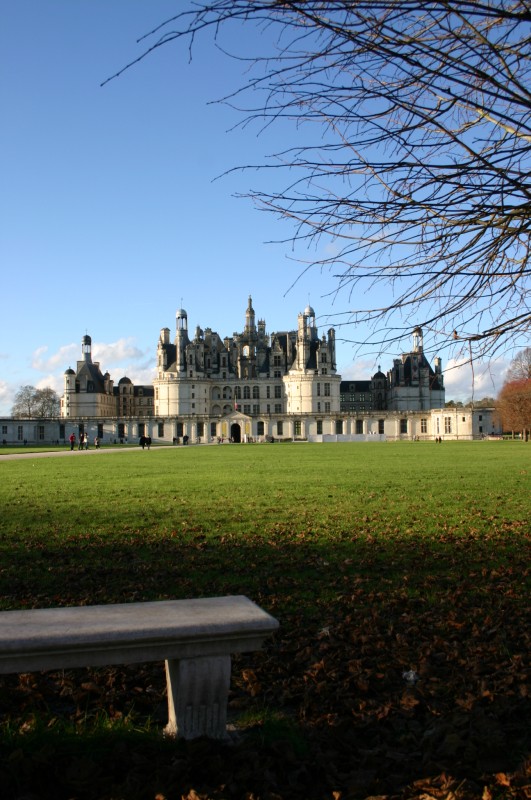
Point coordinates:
[(254, 385)]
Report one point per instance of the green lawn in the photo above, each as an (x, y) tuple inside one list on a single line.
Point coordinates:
[(193, 520), (376, 558)]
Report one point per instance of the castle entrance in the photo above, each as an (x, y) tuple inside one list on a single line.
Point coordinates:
[(235, 432)]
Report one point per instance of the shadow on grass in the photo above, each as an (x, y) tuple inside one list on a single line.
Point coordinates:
[(326, 706)]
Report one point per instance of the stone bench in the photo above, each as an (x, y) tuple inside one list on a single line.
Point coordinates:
[(194, 637)]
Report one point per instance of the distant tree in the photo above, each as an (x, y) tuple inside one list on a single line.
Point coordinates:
[(47, 402), (419, 169), (520, 366), (31, 402), (24, 405), (514, 406)]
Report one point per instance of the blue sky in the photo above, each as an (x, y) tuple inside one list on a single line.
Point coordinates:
[(111, 214)]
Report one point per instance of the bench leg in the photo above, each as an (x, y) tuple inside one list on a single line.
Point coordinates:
[(198, 689)]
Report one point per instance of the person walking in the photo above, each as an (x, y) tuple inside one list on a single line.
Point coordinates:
[(72, 440)]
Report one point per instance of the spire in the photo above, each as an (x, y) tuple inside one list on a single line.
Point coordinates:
[(249, 317)]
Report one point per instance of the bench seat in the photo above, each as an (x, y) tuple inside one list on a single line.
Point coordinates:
[(194, 637)]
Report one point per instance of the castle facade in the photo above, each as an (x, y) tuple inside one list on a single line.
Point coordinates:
[(253, 385)]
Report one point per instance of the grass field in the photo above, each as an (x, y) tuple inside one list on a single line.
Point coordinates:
[(376, 558)]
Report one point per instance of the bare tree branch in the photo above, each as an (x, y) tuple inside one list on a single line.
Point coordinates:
[(520, 366), (420, 169), (31, 403)]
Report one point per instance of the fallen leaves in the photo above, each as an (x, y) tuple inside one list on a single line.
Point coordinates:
[(354, 621)]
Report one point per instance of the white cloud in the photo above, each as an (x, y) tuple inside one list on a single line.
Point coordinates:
[(124, 358), (116, 353), (484, 379), (141, 376), (60, 360), (112, 356), (361, 370), (5, 391), (51, 381), (7, 396)]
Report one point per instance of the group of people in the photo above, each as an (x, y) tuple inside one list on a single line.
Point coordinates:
[(83, 443), (145, 441)]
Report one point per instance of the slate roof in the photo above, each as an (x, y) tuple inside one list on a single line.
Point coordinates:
[(434, 378), (357, 386)]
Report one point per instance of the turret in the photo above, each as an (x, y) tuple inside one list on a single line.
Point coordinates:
[(181, 320), (437, 362), (417, 340), (332, 348), (309, 313), (86, 344), (250, 327), (181, 338), (70, 380), (303, 342)]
